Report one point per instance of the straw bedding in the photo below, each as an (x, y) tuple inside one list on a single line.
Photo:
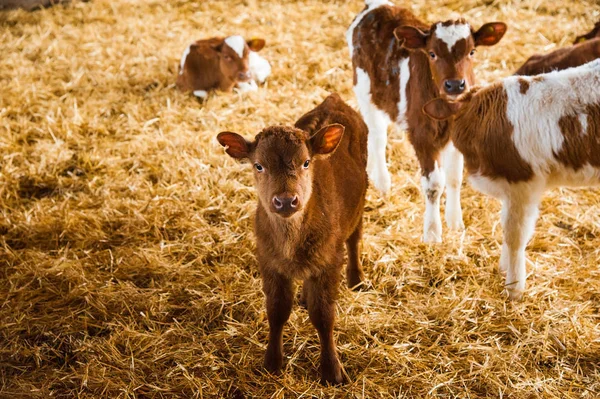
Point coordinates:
[(127, 267)]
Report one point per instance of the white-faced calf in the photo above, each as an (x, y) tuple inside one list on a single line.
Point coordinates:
[(400, 63), (311, 184), (520, 137), (222, 63)]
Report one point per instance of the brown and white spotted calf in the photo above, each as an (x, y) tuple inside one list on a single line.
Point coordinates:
[(522, 136), (311, 181), (563, 58), (400, 64), (222, 63)]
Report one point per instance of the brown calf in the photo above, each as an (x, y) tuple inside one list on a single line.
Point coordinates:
[(311, 184), (400, 64), (520, 137), (219, 63), (590, 35), (563, 58)]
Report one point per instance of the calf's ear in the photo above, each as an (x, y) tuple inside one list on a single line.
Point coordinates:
[(326, 140), (441, 109), (236, 146), (489, 34), (410, 37), (256, 44)]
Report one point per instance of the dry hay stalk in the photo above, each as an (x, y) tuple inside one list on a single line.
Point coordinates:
[(127, 265)]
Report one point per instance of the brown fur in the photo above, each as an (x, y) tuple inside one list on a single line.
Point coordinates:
[(590, 35), (580, 147), (309, 245), (483, 133), (379, 45), (563, 58), (212, 64)]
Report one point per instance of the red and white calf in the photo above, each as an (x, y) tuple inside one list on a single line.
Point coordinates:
[(522, 136), (400, 64), (563, 58), (222, 63)]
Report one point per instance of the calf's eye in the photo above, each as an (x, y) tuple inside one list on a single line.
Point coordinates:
[(472, 53), (259, 167), (432, 55), (306, 163)]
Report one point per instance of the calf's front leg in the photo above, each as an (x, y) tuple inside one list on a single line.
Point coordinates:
[(321, 295), (432, 185), (279, 291), (453, 162)]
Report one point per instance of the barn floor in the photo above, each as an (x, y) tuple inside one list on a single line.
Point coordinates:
[(127, 267)]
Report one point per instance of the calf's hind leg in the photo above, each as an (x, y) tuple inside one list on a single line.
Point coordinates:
[(321, 295), (354, 271), (279, 291)]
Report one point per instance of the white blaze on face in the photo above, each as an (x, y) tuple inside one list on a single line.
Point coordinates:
[(371, 5), (183, 58), (452, 33), (237, 44)]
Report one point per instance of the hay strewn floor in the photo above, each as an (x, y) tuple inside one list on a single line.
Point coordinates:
[(127, 265)]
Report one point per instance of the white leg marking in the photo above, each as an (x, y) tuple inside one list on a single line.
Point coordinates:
[(452, 161), (186, 52), (403, 104), (259, 67), (432, 186), (200, 93), (377, 121)]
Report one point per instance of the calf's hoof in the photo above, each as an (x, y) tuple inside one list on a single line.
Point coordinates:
[(382, 180), (432, 237), (273, 363), (455, 223), (356, 282), (332, 375)]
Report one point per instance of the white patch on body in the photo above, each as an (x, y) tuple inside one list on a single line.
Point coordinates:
[(200, 93), (186, 52), (259, 67), (371, 5), (432, 187), (453, 163), (452, 33), (535, 114), (237, 44), (377, 121), (584, 123), (403, 104)]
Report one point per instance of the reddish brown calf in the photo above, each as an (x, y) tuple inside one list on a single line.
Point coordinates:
[(563, 58), (400, 63), (311, 184), (217, 63)]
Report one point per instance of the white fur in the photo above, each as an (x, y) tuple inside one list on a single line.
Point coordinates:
[(536, 113), (377, 121), (259, 67), (244, 87), (186, 52), (371, 5), (452, 161), (432, 187), (452, 33), (403, 104), (584, 123), (200, 93), (237, 44)]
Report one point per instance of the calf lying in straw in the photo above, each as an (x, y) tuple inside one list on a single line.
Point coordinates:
[(522, 136), (594, 33), (222, 63), (311, 184), (563, 58)]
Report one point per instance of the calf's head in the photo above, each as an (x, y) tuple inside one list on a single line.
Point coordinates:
[(234, 57), (450, 48), (282, 162)]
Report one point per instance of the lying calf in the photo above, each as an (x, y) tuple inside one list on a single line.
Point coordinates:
[(563, 58), (595, 32), (222, 63), (520, 137), (311, 181)]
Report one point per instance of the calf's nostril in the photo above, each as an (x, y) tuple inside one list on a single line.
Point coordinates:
[(277, 203), (294, 202)]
